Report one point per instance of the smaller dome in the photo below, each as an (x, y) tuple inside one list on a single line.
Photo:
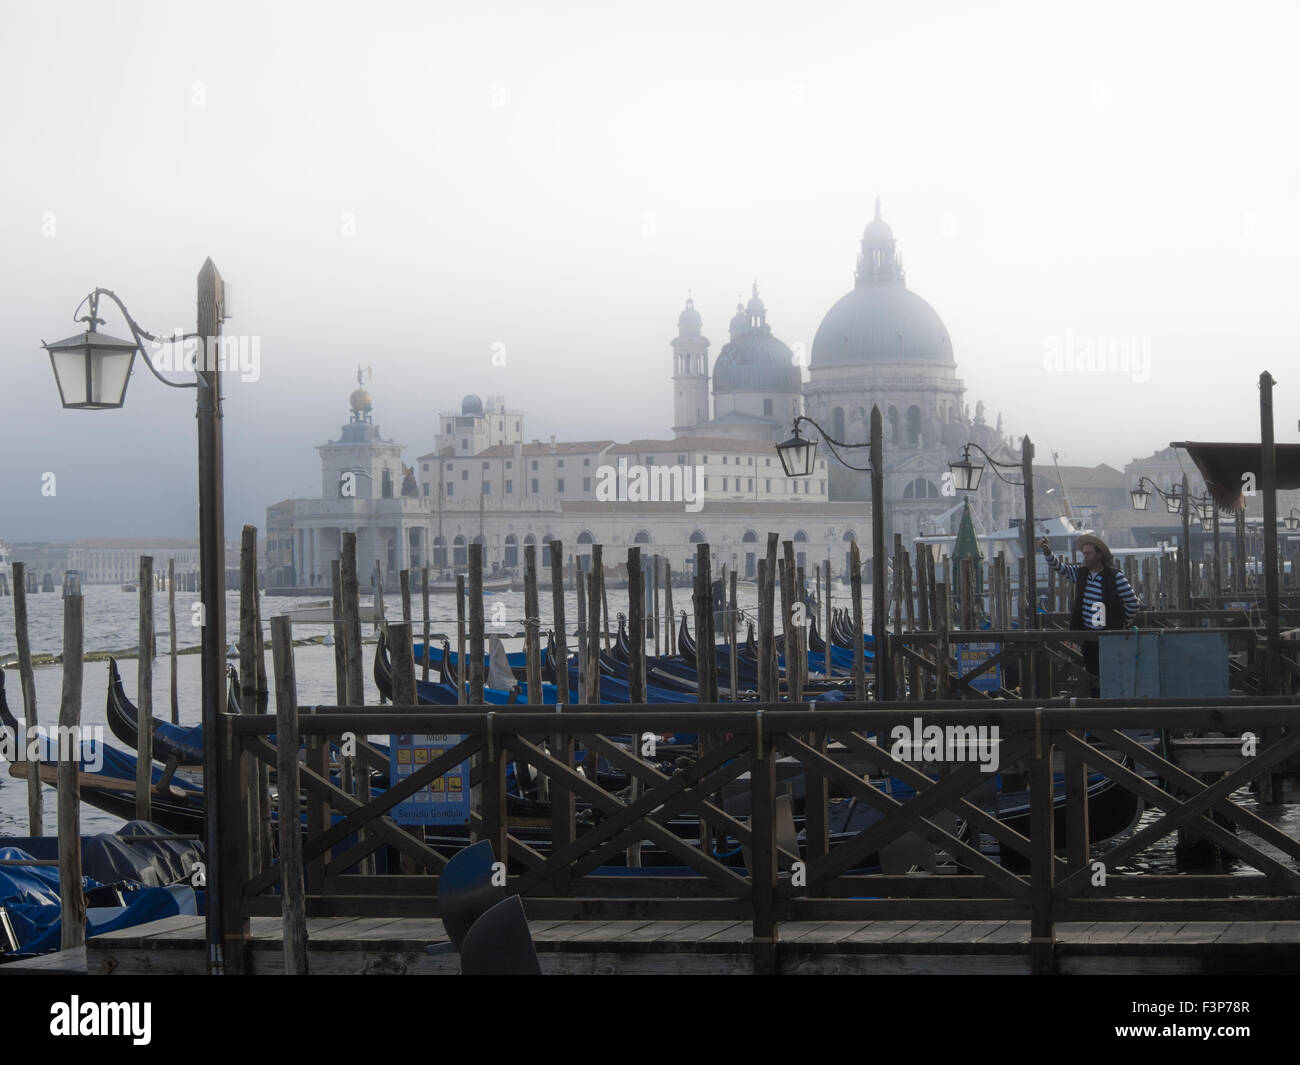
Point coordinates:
[(877, 230), (739, 320), (360, 400), (689, 316), (471, 405)]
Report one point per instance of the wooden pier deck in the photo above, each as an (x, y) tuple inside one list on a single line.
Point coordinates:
[(366, 945)]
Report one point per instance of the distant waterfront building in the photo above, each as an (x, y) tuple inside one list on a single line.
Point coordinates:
[(117, 561), (726, 492)]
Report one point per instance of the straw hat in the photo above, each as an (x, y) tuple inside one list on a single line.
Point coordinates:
[(1098, 543)]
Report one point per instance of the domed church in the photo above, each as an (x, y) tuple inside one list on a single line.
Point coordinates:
[(881, 344), (757, 386)]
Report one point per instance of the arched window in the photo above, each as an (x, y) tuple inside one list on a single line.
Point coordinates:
[(582, 554), (440, 552), (697, 537), (913, 426), (751, 554), (920, 488), (642, 537), (800, 557), (894, 429), (512, 551), (837, 423), (459, 555)]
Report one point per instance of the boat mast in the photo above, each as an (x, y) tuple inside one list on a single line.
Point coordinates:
[(1065, 492)]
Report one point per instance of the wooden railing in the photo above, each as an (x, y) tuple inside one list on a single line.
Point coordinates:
[(745, 865)]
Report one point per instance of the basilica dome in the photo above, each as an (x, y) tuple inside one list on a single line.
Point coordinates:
[(881, 321), (754, 360)]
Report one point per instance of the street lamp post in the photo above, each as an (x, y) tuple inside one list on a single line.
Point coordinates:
[(966, 478), (1179, 500), (92, 372), (797, 456)]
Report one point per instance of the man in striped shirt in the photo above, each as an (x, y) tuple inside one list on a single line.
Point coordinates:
[(1103, 597)]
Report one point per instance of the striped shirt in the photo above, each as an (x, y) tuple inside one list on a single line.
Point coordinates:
[(1093, 607)]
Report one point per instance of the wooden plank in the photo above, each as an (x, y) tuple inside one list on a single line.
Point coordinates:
[(1200, 932), (737, 931), (927, 931), (655, 931), (1103, 932), (1010, 932), (967, 931), (793, 931), (1247, 932), (178, 927), (878, 931), (344, 928)]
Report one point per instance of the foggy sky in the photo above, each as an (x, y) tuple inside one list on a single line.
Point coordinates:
[(557, 182)]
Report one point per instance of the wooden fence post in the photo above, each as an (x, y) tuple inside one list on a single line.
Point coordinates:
[(670, 620), (763, 826), (1042, 853), (595, 583), (293, 892)]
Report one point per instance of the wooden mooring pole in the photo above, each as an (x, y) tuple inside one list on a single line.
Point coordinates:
[(859, 651), (171, 638), (563, 807), (27, 680), (144, 695), (424, 596), (72, 901), (636, 670)]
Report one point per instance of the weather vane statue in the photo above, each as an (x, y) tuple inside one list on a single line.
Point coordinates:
[(364, 374)]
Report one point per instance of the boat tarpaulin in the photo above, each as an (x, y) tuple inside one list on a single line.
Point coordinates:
[(1230, 469)]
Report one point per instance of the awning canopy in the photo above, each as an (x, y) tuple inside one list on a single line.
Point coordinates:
[(1230, 469)]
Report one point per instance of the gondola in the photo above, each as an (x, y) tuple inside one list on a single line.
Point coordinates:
[(178, 807), (185, 744)]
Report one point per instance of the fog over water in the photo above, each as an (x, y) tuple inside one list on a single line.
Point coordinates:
[(412, 187)]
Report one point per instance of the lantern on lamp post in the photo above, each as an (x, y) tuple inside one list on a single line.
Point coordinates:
[(92, 371)]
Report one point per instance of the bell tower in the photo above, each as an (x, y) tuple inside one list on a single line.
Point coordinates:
[(690, 372)]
